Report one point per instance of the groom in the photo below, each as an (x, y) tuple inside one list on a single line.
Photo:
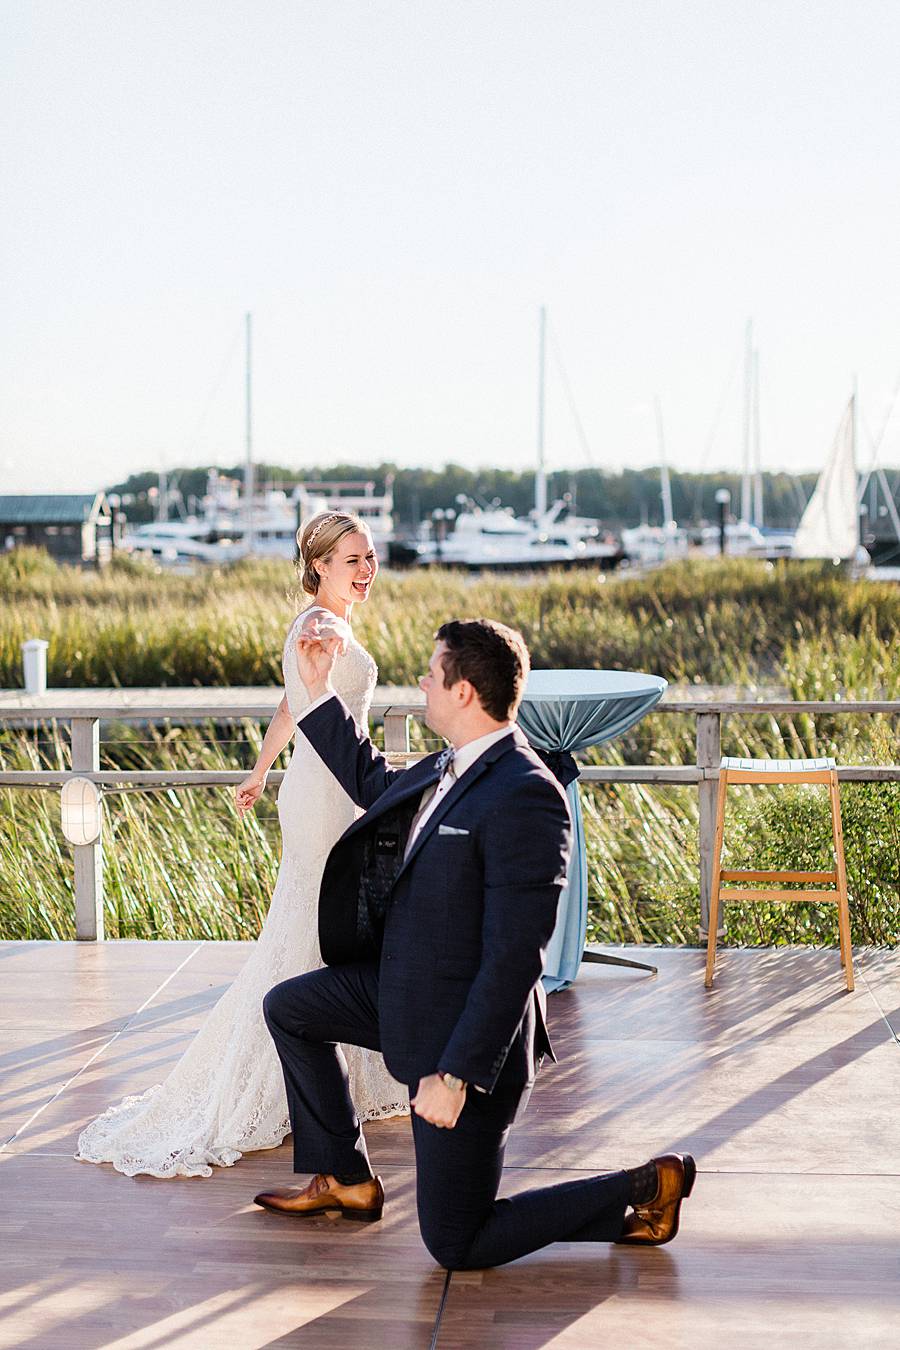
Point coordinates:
[(435, 910)]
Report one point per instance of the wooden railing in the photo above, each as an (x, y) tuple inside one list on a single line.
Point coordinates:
[(83, 711)]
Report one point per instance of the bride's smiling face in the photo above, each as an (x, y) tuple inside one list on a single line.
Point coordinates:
[(349, 572)]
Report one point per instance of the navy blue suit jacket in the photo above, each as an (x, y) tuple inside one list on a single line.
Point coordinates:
[(461, 925)]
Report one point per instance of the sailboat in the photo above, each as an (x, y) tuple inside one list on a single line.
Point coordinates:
[(258, 523), (493, 537), (829, 527), (744, 537), (649, 545)]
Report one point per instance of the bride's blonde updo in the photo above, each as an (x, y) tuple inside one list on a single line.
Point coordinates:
[(317, 540)]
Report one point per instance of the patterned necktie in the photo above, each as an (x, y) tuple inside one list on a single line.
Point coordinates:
[(445, 762), (446, 766)]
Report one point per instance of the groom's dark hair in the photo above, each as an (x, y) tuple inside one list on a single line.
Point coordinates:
[(492, 657)]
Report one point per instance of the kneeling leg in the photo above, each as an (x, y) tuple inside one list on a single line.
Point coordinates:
[(308, 1017), (465, 1226)]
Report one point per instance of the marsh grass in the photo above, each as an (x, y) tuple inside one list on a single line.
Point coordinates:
[(179, 864), (739, 622)]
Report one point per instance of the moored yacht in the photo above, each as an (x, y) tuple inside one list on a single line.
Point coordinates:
[(223, 530), (650, 545), (491, 537)]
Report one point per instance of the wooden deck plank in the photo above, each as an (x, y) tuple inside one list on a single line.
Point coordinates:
[(880, 974), (51, 957), (781, 1083), (736, 1076), (785, 1260), (197, 1264)]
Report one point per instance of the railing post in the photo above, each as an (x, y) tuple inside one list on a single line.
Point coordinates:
[(88, 857), (396, 733), (709, 750)]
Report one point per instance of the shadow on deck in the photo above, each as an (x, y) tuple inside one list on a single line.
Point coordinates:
[(784, 1086)]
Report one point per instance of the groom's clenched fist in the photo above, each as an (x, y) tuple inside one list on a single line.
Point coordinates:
[(437, 1103)]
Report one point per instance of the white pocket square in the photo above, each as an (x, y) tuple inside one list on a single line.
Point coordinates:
[(448, 829)]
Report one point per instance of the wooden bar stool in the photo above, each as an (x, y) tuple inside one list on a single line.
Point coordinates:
[(790, 771)]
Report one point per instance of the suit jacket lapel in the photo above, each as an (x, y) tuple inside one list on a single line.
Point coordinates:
[(410, 784), (460, 787)]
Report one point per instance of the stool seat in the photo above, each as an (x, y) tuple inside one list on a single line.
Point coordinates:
[(776, 765), (829, 887)]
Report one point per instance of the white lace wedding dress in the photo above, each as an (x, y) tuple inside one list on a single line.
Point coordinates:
[(226, 1096)]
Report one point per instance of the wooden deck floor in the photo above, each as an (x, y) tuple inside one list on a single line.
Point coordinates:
[(785, 1087)]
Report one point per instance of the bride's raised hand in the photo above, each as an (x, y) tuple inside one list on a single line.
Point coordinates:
[(316, 657), (323, 625)]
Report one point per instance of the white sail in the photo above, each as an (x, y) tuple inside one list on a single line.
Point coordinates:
[(829, 526)]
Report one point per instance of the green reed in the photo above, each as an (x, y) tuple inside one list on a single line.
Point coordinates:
[(713, 623), (178, 863)]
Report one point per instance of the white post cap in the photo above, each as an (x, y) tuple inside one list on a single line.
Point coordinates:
[(34, 663)]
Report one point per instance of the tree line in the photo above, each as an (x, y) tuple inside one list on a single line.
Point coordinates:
[(618, 500)]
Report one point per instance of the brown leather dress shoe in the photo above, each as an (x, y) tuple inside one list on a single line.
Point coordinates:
[(652, 1225), (362, 1202)]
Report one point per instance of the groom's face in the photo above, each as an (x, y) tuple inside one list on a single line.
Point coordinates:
[(440, 703)]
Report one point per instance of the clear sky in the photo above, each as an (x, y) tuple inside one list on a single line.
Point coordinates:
[(393, 187)]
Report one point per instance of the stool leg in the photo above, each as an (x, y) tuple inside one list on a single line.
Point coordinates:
[(840, 868), (716, 881)]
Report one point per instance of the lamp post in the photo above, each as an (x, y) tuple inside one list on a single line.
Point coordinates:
[(115, 520), (81, 825), (723, 501)]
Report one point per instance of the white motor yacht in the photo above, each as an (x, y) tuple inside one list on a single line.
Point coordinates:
[(495, 538), (222, 531), (742, 540), (651, 545)]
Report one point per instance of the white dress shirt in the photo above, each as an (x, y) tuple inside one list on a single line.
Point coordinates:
[(463, 759)]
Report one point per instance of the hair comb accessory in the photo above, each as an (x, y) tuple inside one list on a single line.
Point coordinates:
[(321, 525)]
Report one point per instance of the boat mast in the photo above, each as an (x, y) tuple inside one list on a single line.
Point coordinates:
[(249, 480), (162, 496), (854, 432), (540, 478), (757, 450), (746, 504), (665, 483)]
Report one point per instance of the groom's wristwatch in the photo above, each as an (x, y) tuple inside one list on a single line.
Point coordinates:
[(451, 1081)]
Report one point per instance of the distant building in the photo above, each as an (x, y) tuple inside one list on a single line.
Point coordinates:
[(73, 528)]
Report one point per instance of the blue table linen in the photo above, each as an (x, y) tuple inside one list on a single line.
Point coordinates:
[(564, 711)]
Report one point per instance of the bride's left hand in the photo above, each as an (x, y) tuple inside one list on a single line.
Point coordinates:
[(248, 793)]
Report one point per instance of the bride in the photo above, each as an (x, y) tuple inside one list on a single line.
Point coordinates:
[(226, 1095)]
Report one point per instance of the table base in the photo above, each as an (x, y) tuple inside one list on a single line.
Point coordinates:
[(601, 959)]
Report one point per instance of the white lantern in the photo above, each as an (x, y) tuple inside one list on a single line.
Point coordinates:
[(80, 806)]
